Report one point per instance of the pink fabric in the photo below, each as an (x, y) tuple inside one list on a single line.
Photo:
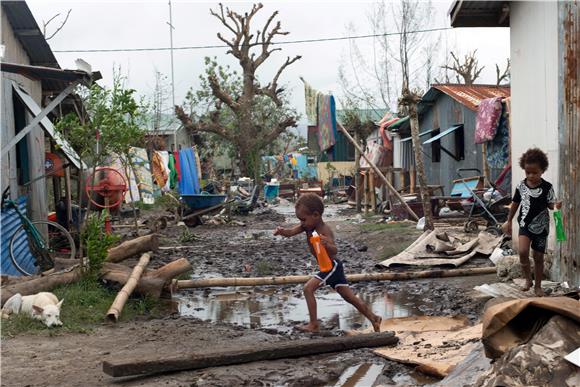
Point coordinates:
[(488, 115)]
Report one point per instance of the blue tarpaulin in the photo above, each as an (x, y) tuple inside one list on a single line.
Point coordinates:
[(189, 183)]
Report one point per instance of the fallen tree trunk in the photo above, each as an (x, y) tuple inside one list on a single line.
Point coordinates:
[(152, 282), (298, 279), (255, 352), (121, 299), (133, 247), (41, 284)]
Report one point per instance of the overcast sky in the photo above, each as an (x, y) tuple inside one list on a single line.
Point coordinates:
[(143, 24)]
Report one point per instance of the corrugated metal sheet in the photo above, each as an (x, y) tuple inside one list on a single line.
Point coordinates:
[(469, 95), (566, 266), (28, 33), (10, 222), (479, 14)]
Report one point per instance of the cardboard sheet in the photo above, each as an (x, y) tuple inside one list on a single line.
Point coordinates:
[(423, 252), (514, 322), (435, 344)]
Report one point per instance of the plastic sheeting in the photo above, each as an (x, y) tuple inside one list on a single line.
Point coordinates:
[(189, 183)]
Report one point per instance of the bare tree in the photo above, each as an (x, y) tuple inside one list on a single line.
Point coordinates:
[(505, 76), (251, 49), (467, 70), (370, 78), (45, 24), (409, 100)]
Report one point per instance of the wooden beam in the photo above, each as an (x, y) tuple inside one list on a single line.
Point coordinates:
[(299, 279), (378, 171), (36, 120), (250, 353)]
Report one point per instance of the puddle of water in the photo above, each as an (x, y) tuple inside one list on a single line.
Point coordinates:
[(331, 211), (414, 378), (361, 375), (274, 309)]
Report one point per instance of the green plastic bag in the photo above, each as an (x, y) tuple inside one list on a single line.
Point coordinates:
[(560, 234)]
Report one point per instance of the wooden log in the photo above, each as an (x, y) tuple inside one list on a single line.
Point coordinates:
[(125, 292), (41, 284), (255, 352), (152, 282), (374, 167), (132, 247), (298, 279)]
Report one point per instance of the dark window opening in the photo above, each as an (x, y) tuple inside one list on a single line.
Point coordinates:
[(459, 144), (22, 167)]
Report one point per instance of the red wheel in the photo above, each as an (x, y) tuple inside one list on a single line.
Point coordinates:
[(107, 186)]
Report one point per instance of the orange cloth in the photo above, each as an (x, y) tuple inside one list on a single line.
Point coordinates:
[(159, 173)]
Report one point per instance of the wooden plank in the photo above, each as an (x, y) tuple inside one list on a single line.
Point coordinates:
[(255, 352)]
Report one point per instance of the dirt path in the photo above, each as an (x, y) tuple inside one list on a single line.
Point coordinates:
[(52, 358)]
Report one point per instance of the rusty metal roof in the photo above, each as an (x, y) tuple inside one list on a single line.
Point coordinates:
[(468, 95)]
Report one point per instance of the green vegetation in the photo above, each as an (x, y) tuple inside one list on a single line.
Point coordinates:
[(85, 305), (187, 236), (264, 268), (384, 226), (97, 242)]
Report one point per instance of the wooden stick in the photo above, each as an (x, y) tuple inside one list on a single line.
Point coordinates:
[(132, 247), (372, 192), (123, 295), (298, 279), (377, 170), (250, 353)]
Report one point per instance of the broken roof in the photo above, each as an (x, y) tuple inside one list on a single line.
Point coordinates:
[(468, 95), (480, 14)]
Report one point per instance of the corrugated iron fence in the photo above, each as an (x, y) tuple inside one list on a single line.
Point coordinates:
[(10, 223), (566, 265)]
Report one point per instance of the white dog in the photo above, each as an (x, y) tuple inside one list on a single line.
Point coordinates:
[(42, 306)]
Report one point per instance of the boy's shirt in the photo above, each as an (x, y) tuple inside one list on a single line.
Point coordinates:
[(534, 214)]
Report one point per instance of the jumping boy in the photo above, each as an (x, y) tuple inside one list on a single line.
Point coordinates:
[(536, 195), (309, 209)]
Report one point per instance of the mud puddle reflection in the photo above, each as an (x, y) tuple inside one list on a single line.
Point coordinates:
[(280, 310)]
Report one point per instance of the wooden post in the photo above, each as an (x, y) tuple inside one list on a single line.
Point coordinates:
[(67, 194), (357, 174), (366, 191), (486, 172), (372, 191), (143, 365), (412, 180), (374, 167)]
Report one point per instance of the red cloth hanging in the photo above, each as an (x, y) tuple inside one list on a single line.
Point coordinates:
[(177, 167)]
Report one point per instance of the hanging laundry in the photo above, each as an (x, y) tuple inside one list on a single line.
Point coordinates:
[(487, 120), (165, 162), (142, 169), (326, 121), (177, 168), (172, 171), (310, 99), (189, 183), (160, 175), (498, 149), (197, 163)]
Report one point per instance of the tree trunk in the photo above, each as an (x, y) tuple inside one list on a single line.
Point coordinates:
[(423, 191), (132, 247), (125, 292), (152, 282), (250, 353), (299, 279), (41, 284)]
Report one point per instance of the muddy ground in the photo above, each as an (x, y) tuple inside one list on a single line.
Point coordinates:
[(246, 251)]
